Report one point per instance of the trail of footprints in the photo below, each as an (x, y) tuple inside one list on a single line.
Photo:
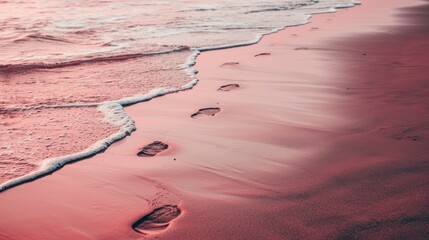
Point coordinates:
[(160, 218)]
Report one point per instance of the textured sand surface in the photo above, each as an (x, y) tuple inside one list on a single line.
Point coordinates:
[(326, 138)]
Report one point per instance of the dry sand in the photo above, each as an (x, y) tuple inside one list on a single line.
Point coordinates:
[(326, 138)]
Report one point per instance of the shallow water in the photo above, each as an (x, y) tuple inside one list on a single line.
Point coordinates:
[(56, 31), (62, 60)]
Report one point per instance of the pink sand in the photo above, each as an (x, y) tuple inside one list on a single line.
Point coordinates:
[(300, 151)]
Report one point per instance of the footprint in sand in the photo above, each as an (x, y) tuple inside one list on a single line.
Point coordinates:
[(302, 48), (157, 220), (152, 149), (402, 133), (206, 112), (229, 64), (228, 87), (262, 54)]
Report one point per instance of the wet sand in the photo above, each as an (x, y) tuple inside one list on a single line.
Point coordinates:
[(326, 138)]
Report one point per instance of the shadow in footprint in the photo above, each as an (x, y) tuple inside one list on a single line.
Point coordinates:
[(228, 87), (206, 112), (152, 149), (157, 220)]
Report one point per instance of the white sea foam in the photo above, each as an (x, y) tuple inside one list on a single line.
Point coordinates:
[(114, 114), (113, 110)]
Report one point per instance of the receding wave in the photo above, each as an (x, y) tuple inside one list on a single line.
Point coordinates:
[(41, 37), (25, 67)]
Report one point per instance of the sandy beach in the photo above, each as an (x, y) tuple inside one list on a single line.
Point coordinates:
[(319, 131)]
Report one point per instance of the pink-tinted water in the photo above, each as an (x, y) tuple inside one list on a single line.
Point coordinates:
[(94, 81), (28, 137)]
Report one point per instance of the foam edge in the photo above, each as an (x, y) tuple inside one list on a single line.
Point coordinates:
[(115, 115)]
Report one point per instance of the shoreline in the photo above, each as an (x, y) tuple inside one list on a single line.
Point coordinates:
[(119, 118), (121, 186)]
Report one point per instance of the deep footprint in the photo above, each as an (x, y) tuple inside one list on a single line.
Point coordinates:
[(152, 149), (206, 112), (228, 87), (157, 220)]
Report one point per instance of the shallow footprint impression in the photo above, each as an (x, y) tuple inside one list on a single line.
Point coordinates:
[(152, 149), (262, 54), (206, 112), (229, 64), (157, 220), (228, 87)]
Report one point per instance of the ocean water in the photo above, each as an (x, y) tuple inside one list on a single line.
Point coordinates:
[(67, 67)]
